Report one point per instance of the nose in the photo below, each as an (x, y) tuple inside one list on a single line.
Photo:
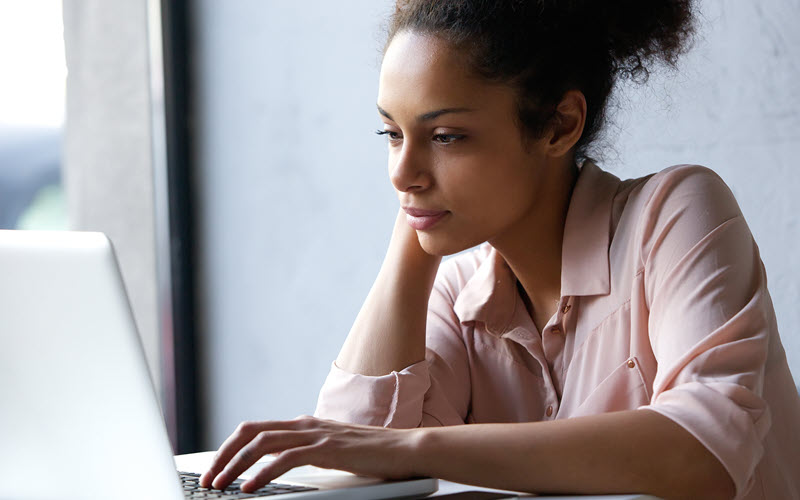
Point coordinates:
[(408, 170)]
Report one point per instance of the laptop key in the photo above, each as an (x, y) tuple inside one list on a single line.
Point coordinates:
[(193, 491)]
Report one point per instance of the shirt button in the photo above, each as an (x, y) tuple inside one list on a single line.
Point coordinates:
[(631, 363), (566, 308), (556, 330), (549, 411)]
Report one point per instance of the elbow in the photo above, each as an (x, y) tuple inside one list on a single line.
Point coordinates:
[(707, 488), (712, 479), (692, 472), (717, 488), (706, 479)]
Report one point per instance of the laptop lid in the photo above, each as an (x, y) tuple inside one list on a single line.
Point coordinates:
[(79, 416)]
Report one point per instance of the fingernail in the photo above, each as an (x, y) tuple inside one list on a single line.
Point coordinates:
[(218, 481)]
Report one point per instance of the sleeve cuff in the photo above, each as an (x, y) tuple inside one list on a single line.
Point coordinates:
[(391, 400)]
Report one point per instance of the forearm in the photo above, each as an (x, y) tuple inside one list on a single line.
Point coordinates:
[(389, 332), (626, 452)]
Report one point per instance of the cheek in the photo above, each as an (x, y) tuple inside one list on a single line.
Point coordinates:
[(494, 192), (482, 206)]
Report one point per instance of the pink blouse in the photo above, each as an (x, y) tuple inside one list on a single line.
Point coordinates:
[(664, 305)]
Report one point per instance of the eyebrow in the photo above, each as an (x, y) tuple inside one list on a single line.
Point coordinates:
[(430, 115)]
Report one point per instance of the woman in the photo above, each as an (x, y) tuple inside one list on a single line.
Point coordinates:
[(606, 335)]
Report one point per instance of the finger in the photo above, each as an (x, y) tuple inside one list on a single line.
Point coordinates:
[(261, 444), (286, 461), (243, 434)]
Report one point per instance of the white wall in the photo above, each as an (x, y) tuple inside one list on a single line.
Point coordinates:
[(297, 208)]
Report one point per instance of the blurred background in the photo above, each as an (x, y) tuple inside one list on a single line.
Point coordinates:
[(32, 94), (227, 148)]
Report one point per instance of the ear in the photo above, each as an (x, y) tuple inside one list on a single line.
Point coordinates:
[(568, 123)]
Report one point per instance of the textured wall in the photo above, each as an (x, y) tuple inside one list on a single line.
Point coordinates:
[(297, 208)]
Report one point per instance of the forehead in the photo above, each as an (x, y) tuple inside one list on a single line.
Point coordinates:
[(422, 72)]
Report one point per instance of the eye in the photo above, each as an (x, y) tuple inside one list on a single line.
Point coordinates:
[(447, 138), (392, 135)]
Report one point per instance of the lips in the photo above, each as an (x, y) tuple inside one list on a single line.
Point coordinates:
[(421, 219)]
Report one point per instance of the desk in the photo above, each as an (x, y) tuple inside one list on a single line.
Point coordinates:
[(199, 462), (447, 488)]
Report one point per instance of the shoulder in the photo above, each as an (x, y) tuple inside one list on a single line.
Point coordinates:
[(677, 209), (682, 186), (693, 197)]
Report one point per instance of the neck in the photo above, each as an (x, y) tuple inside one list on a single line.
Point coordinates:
[(532, 248)]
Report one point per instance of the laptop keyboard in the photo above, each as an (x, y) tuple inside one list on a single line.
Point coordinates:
[(192, 489)]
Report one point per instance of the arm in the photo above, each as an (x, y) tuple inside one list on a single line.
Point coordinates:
[(632, 451), (710, 319), (611, 453), (389, 331)]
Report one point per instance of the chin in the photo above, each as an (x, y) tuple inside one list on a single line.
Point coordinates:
[(441, 246)]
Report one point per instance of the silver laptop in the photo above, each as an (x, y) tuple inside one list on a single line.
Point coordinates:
[(78, 415)]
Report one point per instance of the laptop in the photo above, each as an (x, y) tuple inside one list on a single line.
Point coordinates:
[(79, 418)]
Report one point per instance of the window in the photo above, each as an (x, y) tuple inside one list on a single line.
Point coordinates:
[(32, 102)]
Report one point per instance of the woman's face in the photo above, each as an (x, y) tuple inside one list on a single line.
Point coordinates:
[(456, 154)]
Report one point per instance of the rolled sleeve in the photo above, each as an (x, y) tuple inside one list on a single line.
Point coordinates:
[(710, 319), (433, 392), (392, 400)]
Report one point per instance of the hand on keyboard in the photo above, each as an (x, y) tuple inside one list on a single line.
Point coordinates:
[(360, 449)]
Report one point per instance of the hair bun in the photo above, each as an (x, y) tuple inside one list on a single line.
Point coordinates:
[(639, 32)]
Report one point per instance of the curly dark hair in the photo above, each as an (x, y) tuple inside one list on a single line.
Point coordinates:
[(544, 48)]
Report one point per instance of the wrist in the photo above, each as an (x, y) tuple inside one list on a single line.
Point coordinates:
[(419, 448), (405, 260)]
